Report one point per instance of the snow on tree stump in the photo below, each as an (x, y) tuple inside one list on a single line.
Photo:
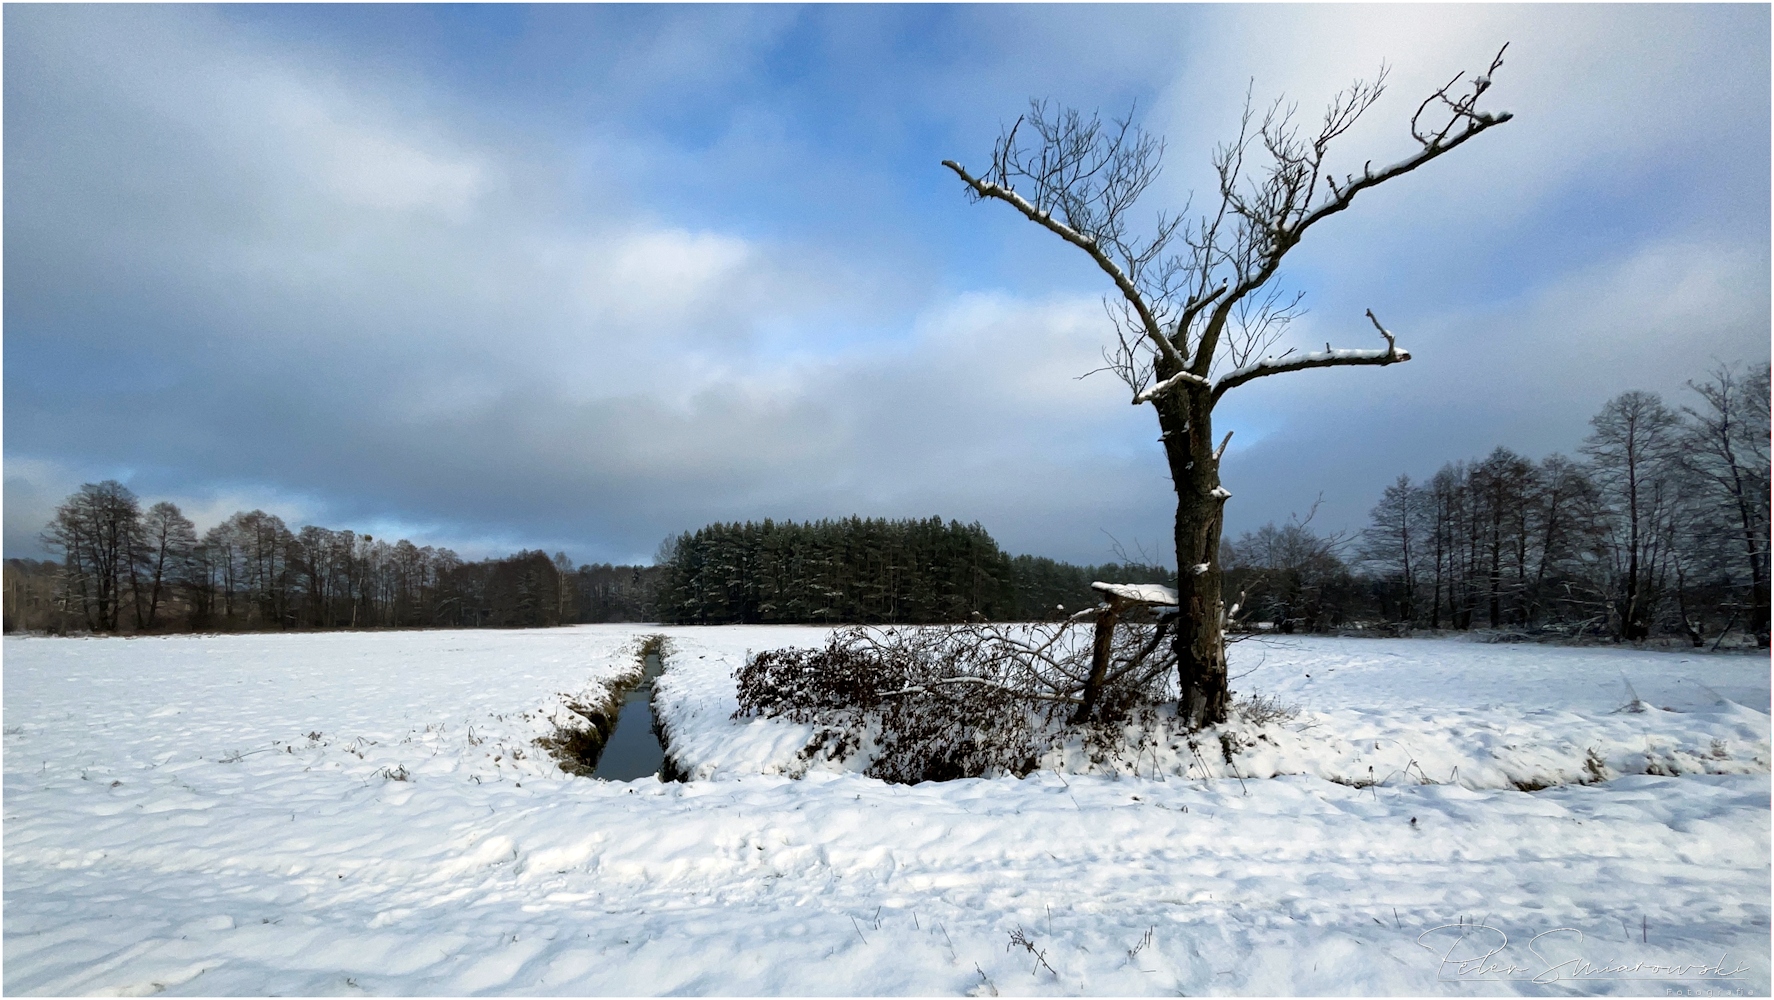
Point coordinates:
[(1120, 597), (1137, 593)]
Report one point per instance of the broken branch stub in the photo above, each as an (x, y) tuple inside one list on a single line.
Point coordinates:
[(1120, 596)]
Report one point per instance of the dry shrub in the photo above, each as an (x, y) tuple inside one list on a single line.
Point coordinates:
[(1262, 710), (959, 701)]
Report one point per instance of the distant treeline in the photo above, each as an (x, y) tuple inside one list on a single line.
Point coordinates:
[(129, 570), (867, 570), (124, 569), (1659, 529)]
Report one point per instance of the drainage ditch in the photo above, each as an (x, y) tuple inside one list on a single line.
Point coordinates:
[(615, 737), (633, 749)]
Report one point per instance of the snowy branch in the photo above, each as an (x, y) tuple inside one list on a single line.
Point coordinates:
[(1326, 358), (1286, 198), (1463, 112), (1151, 392), (1138, 593)]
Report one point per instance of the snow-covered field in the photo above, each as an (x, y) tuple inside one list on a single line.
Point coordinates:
[(368, 813), (1410, 712)]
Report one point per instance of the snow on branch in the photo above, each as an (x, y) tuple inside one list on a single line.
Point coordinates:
[(1464, 122), (1326, 358), (1138, 593), (1151, 392)]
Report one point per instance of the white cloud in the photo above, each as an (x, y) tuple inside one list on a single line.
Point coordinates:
[(377, 171)]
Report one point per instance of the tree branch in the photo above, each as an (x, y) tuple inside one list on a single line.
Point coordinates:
[(982, 682), (1151, 392), (1316, 359), (1085, 242), (1279, 211), (1352, 185)]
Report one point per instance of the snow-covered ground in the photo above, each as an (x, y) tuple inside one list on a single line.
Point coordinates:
[(1390, 712), (227, 815)]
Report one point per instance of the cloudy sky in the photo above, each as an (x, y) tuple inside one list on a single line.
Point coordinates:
[(583, 277)]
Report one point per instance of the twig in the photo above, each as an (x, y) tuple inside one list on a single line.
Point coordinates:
[(1018, 938), (1133, 952)]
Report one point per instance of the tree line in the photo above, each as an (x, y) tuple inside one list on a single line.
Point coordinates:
[(126, 569), (866, 570), (1659, 528)]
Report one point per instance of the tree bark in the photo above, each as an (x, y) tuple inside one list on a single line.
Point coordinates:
[(1186, 418)]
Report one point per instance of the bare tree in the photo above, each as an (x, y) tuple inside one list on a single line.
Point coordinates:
[(169, 538), (1196, 310), (1632, 451), (1726, 447), (1290, 574), (1447, 508), (1393, 543), (97, 528), (1566, 521), (1501, 486)]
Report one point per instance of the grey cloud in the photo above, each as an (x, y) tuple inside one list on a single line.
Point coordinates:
[(1527, 374)]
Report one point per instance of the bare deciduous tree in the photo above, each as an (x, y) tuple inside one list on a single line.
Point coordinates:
[(97, 529), (1196, 309), (1632, 450), (1726, 447), (169, 538), (1392, 545)]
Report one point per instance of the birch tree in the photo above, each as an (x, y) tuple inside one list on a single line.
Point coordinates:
[(1196, 307)]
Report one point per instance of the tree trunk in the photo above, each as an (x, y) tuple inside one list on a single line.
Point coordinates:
[(1187, 421)]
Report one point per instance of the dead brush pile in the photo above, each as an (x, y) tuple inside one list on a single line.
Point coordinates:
[(957, 701)]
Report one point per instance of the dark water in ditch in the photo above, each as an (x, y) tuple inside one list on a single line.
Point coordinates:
[(634, 750)]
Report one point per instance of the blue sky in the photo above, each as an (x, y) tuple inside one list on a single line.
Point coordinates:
[(582, 277)]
